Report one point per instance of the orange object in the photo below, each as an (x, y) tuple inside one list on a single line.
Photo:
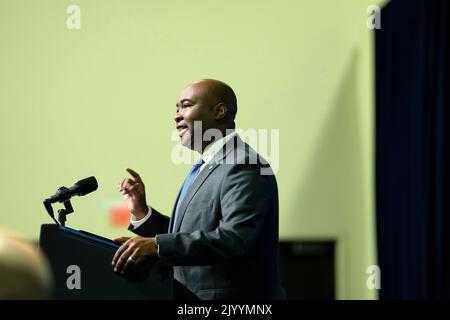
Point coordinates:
[(119, 215)]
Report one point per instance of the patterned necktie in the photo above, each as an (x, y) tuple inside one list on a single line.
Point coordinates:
[(187, 183)]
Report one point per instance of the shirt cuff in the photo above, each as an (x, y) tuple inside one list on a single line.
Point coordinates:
[(137, 223), (157, 245)]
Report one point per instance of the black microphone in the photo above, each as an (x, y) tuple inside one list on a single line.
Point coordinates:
[(80, 188)]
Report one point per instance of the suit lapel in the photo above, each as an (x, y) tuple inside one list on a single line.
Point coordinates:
[(207, 170), (192, 191), (173, 211)]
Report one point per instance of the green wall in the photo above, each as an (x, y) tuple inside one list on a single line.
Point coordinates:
[(75, 103)]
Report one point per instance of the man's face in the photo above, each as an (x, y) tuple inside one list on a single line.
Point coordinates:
[(194, 104)]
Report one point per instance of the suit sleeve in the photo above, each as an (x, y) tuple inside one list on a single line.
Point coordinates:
[(246, 197), (157, 223)]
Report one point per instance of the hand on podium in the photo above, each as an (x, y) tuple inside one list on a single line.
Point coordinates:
[(133, 252)]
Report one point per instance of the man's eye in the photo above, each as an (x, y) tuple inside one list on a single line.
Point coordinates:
[(186, 105)]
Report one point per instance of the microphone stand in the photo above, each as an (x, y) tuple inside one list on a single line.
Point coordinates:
[(62, 213)]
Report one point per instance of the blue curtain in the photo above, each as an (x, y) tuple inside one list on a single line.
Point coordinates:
[(412, 149)]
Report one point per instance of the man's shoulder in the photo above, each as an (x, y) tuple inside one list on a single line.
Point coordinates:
[(240, 153), (238, 157)]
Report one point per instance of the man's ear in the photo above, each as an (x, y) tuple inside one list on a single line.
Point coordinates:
[(221, 110)]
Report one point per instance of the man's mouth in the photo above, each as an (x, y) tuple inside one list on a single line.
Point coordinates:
[(182, 130)]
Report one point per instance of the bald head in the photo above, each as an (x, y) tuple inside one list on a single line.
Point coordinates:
[(217, 92)]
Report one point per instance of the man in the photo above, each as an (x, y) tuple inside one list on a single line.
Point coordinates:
[(222, 239)]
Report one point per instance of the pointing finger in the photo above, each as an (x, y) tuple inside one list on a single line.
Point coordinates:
[(134, 174)]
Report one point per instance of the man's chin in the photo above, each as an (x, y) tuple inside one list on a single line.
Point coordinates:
[(188, 142)]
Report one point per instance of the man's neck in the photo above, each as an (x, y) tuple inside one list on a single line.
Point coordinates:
[(209, 144)]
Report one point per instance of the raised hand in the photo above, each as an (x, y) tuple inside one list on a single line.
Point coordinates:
[(133, 190)]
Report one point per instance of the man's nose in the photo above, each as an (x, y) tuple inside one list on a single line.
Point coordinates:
[(178, 117)]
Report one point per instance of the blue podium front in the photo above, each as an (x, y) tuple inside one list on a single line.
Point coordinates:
[(81, 268)]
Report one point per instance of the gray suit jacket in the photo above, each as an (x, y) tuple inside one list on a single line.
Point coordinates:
[(225, 241)]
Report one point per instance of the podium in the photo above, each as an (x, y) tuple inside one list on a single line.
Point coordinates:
[(81, 266)]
